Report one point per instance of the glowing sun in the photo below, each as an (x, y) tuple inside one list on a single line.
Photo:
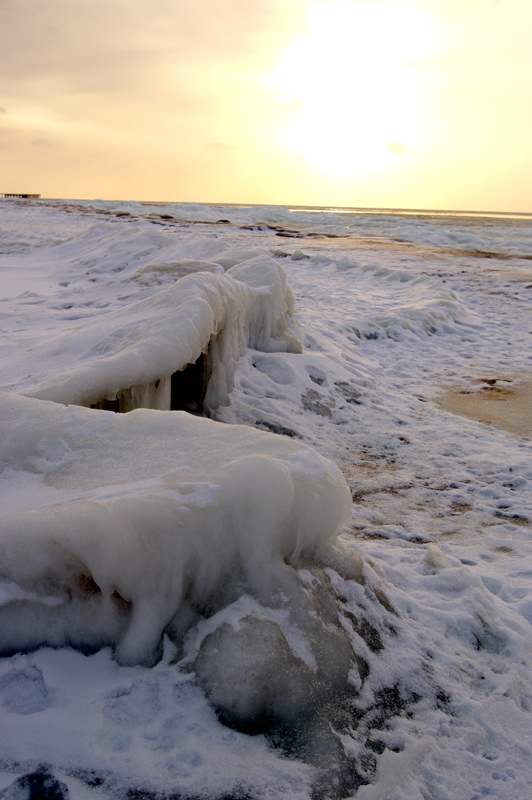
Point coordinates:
[(354, 85)]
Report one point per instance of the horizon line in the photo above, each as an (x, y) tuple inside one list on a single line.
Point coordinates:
[(293, 206)]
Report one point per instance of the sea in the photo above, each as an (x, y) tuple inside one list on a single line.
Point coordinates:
[(414, 377)]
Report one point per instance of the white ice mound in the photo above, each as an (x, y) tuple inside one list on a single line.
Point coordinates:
[(118, 528), (136, 349)]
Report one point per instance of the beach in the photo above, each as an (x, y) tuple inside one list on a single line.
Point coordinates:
[(354, 617)]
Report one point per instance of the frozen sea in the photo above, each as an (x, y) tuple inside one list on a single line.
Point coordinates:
[(374, 643)]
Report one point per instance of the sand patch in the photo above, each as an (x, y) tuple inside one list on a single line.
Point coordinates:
[(502, 402), (521, 273)]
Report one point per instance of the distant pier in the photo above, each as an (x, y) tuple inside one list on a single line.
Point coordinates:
[(23, 196)]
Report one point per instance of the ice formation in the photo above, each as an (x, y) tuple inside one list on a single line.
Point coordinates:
[(127, 526), (129, 530), (127, 357), (385, 674)]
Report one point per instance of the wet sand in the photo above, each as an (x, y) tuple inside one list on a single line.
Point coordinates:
[(497, 401)]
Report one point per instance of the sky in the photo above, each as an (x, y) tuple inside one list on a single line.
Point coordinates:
[(397, 104)]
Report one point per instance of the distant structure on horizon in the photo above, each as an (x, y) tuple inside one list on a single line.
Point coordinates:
[(24, 196)]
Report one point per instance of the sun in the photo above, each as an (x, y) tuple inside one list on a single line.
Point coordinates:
[(354, 85)]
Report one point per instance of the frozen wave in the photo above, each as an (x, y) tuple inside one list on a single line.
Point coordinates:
[(394, 303), (415, 307)]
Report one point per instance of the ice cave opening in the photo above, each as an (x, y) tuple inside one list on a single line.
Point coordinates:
[(184, 390), (189, 385)]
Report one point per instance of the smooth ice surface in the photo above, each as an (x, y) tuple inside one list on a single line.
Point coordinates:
[(413, 678)]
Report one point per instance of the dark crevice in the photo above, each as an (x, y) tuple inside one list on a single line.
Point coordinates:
[(188, 387), (107, 405), (187, 391)]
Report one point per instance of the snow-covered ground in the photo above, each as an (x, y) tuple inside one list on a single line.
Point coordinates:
[(227, 643)]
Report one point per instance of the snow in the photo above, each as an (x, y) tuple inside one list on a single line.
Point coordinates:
[(228, 642)]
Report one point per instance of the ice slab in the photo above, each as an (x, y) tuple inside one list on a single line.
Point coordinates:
[(120, 527)]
